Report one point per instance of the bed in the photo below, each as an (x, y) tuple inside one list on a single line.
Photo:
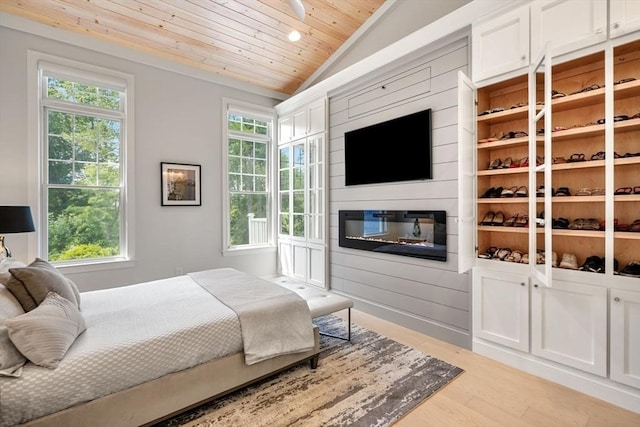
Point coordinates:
[(150, 350)]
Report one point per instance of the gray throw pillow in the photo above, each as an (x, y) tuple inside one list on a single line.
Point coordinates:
[(30, 285), (45, 333), (11, 360)]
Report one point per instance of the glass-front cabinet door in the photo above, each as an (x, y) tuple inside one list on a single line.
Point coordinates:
[(301, 206), (625, 128), (315, 188), (284, 190), (297, 190)]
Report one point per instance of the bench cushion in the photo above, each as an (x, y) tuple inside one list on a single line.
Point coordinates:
[(320, 301)]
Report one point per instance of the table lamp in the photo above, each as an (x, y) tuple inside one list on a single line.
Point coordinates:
[(14, 219)]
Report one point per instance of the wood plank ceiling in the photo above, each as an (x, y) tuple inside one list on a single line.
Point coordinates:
[(242, 39)]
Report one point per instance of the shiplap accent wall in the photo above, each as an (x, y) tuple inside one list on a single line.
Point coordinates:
[(428, 296)]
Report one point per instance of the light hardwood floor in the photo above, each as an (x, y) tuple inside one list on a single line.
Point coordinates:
[(489, 393)]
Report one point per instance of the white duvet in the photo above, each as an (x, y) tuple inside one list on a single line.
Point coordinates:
[(134, 334)]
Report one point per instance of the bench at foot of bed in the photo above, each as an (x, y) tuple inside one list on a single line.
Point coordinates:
[(320, 301)]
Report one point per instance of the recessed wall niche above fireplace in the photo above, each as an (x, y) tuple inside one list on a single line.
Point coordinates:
[(420, 234)]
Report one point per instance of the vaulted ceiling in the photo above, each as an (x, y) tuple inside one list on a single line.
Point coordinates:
[(241, 39)]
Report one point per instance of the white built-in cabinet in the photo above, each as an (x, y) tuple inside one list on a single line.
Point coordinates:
[(579, 328), (302, 192), (306, 121), (624, 17), (569, 325), (625, 337), (500, 45), (512, 40), (567, 25), (501, 308)]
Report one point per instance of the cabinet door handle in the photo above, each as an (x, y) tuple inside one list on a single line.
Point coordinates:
[(521, 283), (599, 31), (535, 286), (617, 299), (523, 57), (616, 25)]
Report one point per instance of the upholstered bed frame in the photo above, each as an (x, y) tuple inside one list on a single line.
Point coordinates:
[(159, 399)]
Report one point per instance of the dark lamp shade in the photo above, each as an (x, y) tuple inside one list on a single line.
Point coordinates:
[(16, 219)]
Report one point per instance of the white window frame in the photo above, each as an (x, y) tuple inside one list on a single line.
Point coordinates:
[(267, 114), (37, 169)]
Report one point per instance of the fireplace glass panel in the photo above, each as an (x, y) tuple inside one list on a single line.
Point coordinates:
[(420, 234)]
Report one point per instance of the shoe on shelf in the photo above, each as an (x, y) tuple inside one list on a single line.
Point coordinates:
[(511, 222), (514, 256), (561, 223), (490, 253), (569, 261), (523, 192), (498, 219), (577, 224), (488, 193), (594, 264), (503, 253), (631, 270), (497, 192), (488, 218), (509, 192), (495, 164)]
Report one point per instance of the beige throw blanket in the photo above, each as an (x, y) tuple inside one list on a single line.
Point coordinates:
[(274, 320)]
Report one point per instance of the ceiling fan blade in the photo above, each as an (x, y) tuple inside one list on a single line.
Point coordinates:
[(298, 8)]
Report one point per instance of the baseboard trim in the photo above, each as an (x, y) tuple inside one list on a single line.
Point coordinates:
[(601, 388), (411, 321)]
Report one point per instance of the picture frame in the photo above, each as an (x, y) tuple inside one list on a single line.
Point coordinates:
[(180, 184)]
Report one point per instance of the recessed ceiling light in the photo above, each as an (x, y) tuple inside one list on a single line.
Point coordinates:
[(294, 36)]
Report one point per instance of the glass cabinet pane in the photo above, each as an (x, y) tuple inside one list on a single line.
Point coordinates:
[(626, 163)]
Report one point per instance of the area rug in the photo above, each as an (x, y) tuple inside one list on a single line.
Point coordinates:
[(370, 381)]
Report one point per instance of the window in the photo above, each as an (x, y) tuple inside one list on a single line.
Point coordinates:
[(248, 184), (84, 142)]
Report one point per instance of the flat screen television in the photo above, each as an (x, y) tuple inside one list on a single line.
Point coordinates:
[(391, 151)]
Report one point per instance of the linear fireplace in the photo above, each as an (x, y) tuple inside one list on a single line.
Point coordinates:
[(420, 234)]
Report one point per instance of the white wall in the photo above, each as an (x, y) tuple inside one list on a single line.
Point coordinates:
[(425, 295), (178, 119)]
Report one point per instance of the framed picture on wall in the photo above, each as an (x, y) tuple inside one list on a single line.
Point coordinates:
[(180, 184)]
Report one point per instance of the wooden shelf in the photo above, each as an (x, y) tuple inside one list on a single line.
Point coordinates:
[(577, 199), (593, 97), (557, 199), (578, 165), (624, 90), (622, 235), (627, 198), (504, 200), (578, 233), (508, 171), (513, 142), (626, 235), (507, 115), (595, 130), (578, 100), (627, 161), (503, 229)]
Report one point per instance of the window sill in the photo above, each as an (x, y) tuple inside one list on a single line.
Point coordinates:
[(249, 250), (92, 266)]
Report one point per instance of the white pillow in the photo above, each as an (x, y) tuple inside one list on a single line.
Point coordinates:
[(45, 333)]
